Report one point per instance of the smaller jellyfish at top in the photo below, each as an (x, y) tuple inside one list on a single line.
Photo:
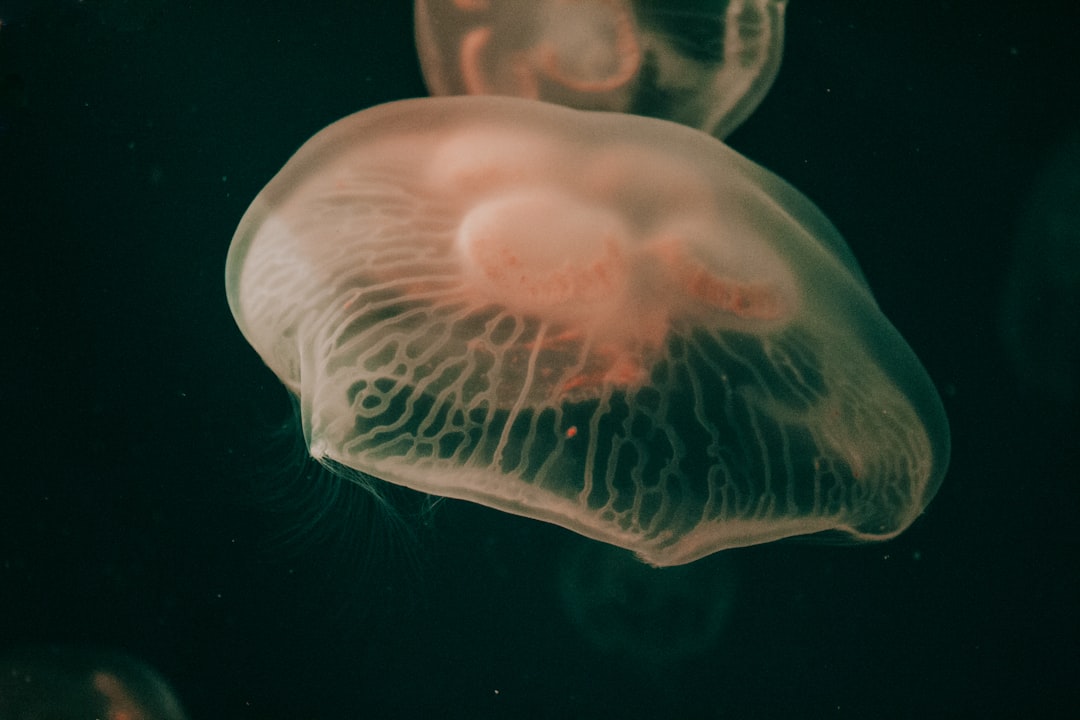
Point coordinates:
[(703, 63)]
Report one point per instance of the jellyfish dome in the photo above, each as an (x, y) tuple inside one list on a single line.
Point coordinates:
[(608, 322), (703, 63), (653, 619)]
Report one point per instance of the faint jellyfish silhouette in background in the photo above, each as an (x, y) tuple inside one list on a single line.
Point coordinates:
[(651, 618), (603, 321), (61, 683), (703, 63), (1041, 308)]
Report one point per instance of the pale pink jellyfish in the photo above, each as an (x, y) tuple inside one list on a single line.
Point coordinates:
[(612, 323), (56, 682), (655, 619), (1041, 303), (703, 63)]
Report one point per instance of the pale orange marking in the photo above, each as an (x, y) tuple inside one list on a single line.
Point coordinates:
[(526, 65), (561, 340), (472, 5), (618, 368), (122, 705), (626, 48), (472, 47), (753, 302)]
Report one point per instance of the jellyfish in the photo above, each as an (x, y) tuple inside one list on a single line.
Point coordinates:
[(703, 63), (72, 682), (651, 618), (609, 322), (1040, 317)]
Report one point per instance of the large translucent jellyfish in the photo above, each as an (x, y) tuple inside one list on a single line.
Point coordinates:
[(703, 63), (609, 322)]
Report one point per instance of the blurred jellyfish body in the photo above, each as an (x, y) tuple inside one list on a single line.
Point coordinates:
[(61, 683), (608, 322), (650, 618), (703, 63), (1041, 304)]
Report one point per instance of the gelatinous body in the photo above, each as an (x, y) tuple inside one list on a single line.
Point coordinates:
[(58, 682), (653, 619), (1041, 304), (703, 63), (608, 322)]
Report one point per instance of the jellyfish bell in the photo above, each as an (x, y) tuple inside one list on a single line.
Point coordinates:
[(49, 681), (656, 619), (608, 322), (704, 64)]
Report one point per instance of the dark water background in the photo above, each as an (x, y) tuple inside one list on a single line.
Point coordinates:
[(151, 502)]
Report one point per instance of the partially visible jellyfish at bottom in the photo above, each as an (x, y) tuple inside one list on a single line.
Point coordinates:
[(650, 618), (702, 63), (71, 683), (608, 322), (1040, 319)]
